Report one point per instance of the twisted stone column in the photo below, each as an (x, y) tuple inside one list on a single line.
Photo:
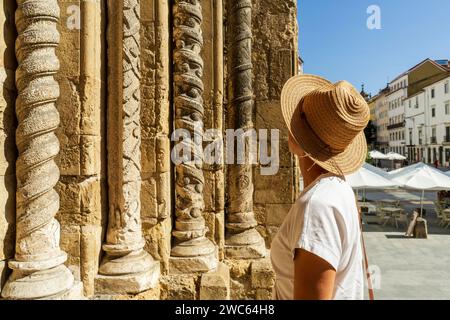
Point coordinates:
[(242, 240), (126, 267), (38, 266), (193, 251)]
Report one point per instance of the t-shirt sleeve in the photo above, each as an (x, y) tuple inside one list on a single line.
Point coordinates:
[(320, 233)]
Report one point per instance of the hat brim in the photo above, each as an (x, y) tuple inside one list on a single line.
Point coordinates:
[(346, 162)]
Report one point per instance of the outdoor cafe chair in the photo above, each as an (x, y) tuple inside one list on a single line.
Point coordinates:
[(383, 217), (400, 217), (446, 220), (440, 213)]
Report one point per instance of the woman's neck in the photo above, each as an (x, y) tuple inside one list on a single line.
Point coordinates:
[(309, 176)]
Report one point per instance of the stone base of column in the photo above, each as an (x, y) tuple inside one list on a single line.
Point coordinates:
[(130, 274), (74, 293), (248, 244), (128, 283), (198, 255), (52, 284)]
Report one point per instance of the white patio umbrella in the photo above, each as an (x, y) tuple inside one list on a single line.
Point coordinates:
[(411, 167), (377, 170), (395, 156), (447, 173), (367, 178), (375, 154), (422, 177)]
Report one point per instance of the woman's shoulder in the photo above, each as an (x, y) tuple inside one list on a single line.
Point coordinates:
[(332, 186), (327, 191), (333, 192)]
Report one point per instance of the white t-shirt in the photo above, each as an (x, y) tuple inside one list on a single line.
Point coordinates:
[(324, 221)]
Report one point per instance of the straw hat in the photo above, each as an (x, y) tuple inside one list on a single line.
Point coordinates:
[(327, 121)]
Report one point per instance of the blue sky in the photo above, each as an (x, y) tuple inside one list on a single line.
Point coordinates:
[(335, 42)]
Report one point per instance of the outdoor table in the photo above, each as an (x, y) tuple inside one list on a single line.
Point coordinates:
[(390, 201), (390, 211)]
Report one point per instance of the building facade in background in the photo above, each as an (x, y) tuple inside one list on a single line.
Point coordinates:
[(382, 120), (412, 114), (428, 125), (396, 113)]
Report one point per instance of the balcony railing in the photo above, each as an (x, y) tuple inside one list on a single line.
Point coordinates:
[(396, 125)]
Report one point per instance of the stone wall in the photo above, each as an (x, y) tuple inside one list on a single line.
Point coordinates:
[(275, 60), (134, 224)]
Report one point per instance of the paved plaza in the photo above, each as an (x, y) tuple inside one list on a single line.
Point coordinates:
[(409, 268)]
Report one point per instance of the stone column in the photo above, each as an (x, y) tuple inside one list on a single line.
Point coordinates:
[(218, 125), (92, 174), (242, 240), (8, 158), (126, 267), (192, 251), (38, 266), (162, 104)]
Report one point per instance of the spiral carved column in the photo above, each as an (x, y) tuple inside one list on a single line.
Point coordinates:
[(126, 266), (38, 267), (242, 240), (192, 251)]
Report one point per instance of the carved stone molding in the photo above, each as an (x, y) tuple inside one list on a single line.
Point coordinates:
[(38, 266), (192, 250), (126, 267), (242, 240)]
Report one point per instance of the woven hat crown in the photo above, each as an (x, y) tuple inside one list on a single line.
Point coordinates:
[(336, 113)]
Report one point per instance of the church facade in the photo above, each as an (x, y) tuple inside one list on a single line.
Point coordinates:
[(94, 93)]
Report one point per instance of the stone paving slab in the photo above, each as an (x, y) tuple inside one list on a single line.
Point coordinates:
[(410, 268)]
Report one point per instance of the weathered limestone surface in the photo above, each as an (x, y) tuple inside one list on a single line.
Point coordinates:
[(179, 287), (213, 95), (38, 265), (275, 58), (243, 241), (126, 267), (8, 123), (192, 250), (156, 192), (126, 82), (216, 285), (82, 160)]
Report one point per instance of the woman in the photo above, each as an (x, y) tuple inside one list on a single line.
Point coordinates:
[(317, 253)]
